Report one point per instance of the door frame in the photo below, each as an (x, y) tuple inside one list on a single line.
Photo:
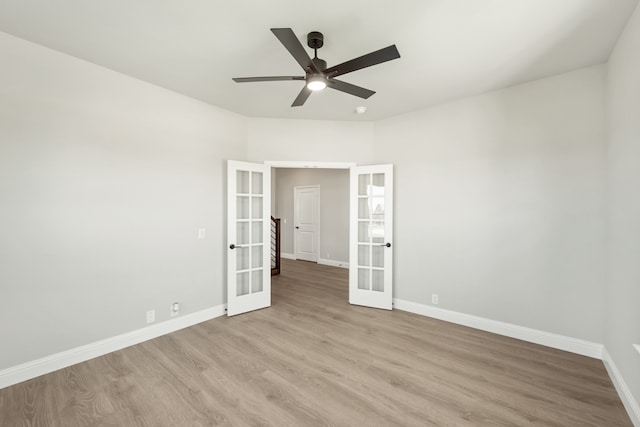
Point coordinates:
[(304, 164), (295, 199)]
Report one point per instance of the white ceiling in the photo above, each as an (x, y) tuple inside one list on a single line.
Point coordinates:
[(449, 48)]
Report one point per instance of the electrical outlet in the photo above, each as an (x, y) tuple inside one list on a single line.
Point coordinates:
[(151, 316), (434, 299), (174, 309)]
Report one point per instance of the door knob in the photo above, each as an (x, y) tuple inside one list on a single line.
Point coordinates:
[(388, 245), (297, 227), (232, 246)]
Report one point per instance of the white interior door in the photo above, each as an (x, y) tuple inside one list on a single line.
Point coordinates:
[(306, 222), (371, 236), (248, 237)]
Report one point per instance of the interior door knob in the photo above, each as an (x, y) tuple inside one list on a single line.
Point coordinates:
[(232, 246), (386, 244), (297, 227)]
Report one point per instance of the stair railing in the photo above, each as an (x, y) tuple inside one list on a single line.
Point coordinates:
[(275, 246)]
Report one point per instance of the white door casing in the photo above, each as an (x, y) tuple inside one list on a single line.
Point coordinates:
[(248, 237), (371, 236), (306, 221)]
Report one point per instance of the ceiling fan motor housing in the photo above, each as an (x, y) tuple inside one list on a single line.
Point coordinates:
[(320, 63)]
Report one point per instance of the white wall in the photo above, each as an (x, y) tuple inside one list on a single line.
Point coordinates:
[(623, 281), (500, 204), (309, 140), (104, 181), (334, 209)]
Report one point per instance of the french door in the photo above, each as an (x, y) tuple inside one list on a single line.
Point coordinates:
[(248, 237), (371, 236)]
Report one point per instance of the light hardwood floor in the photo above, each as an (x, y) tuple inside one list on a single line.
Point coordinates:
[(313, 359)]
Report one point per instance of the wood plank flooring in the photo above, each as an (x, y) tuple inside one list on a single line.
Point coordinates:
[(313, 359)]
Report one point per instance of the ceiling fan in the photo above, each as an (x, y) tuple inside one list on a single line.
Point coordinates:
[(317, 75)]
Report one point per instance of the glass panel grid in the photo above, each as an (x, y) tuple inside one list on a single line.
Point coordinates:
[(371, 232), (376, 207), (256, 231), (377, 280), (376, 231), (256, 207), (377, 256), (364, 258), (363, 279), (242, 283), (249, 232), (377, 183), (256, 281), (364, 212), (242, 258), (256, 256), (242, 233), (242, 182), (363, 231), (363, 184), (256, 182), (242, 207)]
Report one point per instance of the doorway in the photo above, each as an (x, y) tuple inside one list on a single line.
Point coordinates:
[(367, 234), (304, 196)]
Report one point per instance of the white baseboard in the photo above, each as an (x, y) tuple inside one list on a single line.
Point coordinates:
[(561, 342), (35, 368), (333, 262), (323, 261), (629, 402)]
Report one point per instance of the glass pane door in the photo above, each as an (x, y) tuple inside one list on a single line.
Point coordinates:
[(370, 277), (248, 210)]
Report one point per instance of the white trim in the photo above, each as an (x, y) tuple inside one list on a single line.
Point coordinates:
[(287, 255), (35, 368), (637, 347), (304, 164), (630, 404), (561, 342), (333, 262)]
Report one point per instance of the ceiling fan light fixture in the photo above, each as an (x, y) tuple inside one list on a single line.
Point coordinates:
[(317, 76), (316, 82)]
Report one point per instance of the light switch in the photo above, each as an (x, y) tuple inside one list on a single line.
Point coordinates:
[(202, 233)]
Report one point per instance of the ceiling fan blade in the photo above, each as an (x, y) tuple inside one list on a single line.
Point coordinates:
[(364, 61), (302, 97), (265, 79), (288, 38), (349, 88)]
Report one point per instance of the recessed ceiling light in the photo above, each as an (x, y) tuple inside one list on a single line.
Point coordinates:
[(360, 110)]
